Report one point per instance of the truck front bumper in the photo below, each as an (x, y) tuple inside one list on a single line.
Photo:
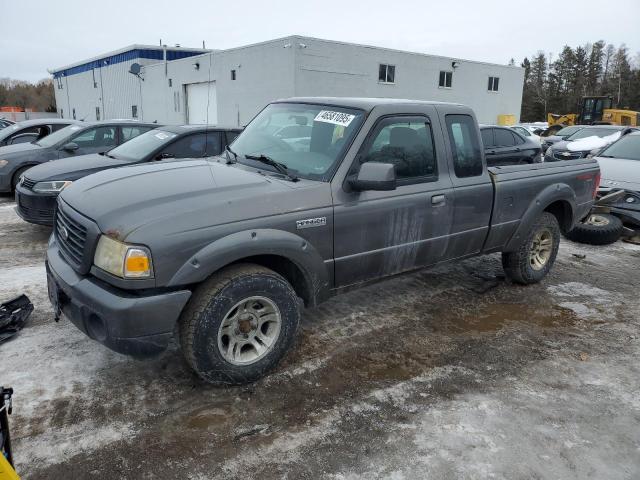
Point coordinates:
[(138, 325)]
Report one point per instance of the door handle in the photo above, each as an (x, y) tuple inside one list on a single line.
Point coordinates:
[(438, 200)]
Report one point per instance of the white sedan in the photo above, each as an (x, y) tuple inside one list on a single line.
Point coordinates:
[(525, 131)]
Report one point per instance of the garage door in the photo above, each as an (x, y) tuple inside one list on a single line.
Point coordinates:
[(199, 95)]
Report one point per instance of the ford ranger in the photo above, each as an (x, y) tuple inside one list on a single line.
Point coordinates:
[(317, 195)]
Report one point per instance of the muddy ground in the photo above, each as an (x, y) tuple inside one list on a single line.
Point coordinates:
[(447, 373)]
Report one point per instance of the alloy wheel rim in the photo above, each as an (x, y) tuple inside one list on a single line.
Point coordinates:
[(541, 248), (249, 330), (597, 220)]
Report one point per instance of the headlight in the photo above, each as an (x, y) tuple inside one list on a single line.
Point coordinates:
[(122, 260), (3, 163), (51, 187)]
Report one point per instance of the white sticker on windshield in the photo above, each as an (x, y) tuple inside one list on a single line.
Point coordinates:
[(75, 127), (337, 118), (162, 135)]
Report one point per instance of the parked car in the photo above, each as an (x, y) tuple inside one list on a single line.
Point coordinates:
[(226, 250), (526, 132), (39, 186), (620, 170), (586, 142), (32, 130), (503, 146), (71, 141), (5, 123), (560, 135)]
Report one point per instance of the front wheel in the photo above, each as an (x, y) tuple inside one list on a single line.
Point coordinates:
[(239, 324), (537, 254)]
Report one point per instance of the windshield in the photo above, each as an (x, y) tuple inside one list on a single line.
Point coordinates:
[(592, 132), (59, 136), (628, 147), (5, 132), (563, 132), (141, 146), (307, 139)]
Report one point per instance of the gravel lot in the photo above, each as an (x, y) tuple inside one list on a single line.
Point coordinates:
[(447, 373)]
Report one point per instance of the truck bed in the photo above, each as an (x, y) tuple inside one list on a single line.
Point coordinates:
[(517, 187)]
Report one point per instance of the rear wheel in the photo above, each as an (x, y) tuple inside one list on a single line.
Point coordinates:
[(537, 254), (597, 229), (239, 324)]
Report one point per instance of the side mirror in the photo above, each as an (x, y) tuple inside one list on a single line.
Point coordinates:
[(374, 176), (70, 147)]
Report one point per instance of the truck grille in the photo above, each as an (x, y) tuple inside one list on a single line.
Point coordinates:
[(72, 238), (27, 183)]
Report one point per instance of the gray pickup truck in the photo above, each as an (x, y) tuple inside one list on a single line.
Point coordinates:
[(317, 195)]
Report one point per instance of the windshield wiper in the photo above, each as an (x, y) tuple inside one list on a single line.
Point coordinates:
[(228, 150), (280, 167)]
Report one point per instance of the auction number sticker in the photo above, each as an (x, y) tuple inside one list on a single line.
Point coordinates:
[(337, 118), (163, 135)]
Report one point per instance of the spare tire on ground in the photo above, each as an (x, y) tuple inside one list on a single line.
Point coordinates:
[(597, 229)]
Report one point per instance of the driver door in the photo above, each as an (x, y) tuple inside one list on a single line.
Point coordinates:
[(378, 233)]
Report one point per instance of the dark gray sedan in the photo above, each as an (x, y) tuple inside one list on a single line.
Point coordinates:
[(504, 146), (80, 138), (37, 192)]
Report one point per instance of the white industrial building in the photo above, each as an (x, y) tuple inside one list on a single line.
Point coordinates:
[(178, 85)]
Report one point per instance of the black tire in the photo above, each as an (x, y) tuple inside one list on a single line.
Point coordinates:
[(597, 229), (16, 177), (519, 266), (202, 318)]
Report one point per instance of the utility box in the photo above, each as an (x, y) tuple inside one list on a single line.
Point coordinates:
[(506, 119)]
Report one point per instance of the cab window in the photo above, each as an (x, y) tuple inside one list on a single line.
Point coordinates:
[(465, 146), (406, 143)]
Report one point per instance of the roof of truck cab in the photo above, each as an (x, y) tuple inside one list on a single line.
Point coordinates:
[(362, 103), (198, 128)]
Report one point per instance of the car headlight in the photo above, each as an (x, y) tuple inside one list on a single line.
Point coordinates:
[(3, 163), (123, 260), (51, 187)]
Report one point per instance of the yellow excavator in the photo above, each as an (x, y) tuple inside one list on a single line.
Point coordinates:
[(596, 111)]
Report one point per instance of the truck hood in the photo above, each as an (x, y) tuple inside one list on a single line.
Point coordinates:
[(73, 168), (10, 151), (620, 173), (175, 197)]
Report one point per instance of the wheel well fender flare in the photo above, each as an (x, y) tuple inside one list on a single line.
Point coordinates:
[(253, 246), (559, 199)]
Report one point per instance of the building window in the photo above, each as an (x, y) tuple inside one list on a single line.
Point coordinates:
[(74, 113), (493, 84), (97, 113), (387, 73), (445, 79), (170, 83), (134, 111), (233, 74)]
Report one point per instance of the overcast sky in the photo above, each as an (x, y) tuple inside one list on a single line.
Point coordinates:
[(37, 35)]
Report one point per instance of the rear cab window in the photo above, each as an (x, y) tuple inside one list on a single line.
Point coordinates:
[(465, 145)]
